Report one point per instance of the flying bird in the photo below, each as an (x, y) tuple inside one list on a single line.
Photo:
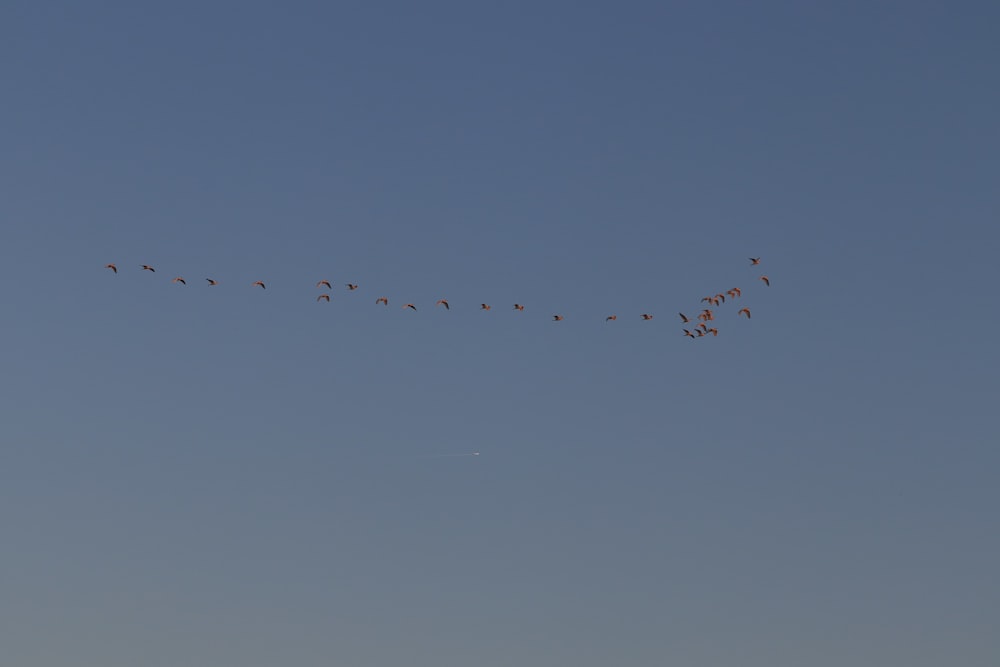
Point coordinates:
[(720, 297), (754, 261), (518, 307), (323, 297), (410, 306), (259, 282), (610, 318), (647, 316), (689, 334), (557, 318), (352, 286), (147, 267), (735, 292), (112, 267), (383, 300), (443, 302), (324, 282), (684, 318), (766, 280), (180, 280), (212, 282), (713, 331), (484, 306), (744, 310)]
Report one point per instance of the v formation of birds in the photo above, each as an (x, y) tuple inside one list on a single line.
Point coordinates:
[(699, 330)]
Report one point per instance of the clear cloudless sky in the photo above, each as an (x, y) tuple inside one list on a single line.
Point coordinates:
[(229, 476)]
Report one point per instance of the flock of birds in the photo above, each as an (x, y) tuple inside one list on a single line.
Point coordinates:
[(699, 330)]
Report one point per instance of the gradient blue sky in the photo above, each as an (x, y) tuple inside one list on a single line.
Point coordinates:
[(230, 476)]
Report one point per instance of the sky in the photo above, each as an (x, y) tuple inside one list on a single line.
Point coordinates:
[(229, 475)]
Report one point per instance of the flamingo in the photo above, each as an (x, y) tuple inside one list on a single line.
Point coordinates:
[(112, 267), (147, 267), (443, 302), (766, 280), (744, 310), (610, 318), (324, 282), (383, 300), (180, 280), (212, 282), (754, 261), (323, 297), (518, 307), (259, 282)]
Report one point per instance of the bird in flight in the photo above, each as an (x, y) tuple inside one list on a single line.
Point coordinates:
[(323, 297), (647, 316), (484, 306), (713, 331), (735, 292), (259, 282), (324, 282), (684, 318), (518, 307), (147, 267), (754, 261), (180, 280), (212, 282), (443, 302), (383, 300), (766, 280), (557, 318), (352, 286), (410, 306), (610, 318), (689, 334), (112, 267), (744, 310)]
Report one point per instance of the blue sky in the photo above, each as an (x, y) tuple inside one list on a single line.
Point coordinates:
[(235, 476)]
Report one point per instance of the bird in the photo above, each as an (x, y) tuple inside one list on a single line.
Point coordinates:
[(323, 297), (735, 292), (699, 332), (212, 282), (484, 306), (766, 280), (703, 326), (410, 306), (610, 318), (324, 282), (689, 334), (684, 318), (754, 261), (721, 297), (383, 300), (352, 286), (147, 267), (259, 282), (443, 302), (180, 280), (744, 310), (557, 318), (707, 298), (518, 307), (647, 316), (112, 267), (713, 331)]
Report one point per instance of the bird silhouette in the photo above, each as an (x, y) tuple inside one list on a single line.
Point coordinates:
[(557, 318), (212, 282), (443, 302), (410, 306), (744, 310), (484, 306), (684, 318), (259, 282), (180, 280), (383, 300), (352, 286), (647, 316), (112, 267), (754, 261), (147, 267), (325, 283), (766, 280), (610, 318), (518, 307), (323, 297)]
